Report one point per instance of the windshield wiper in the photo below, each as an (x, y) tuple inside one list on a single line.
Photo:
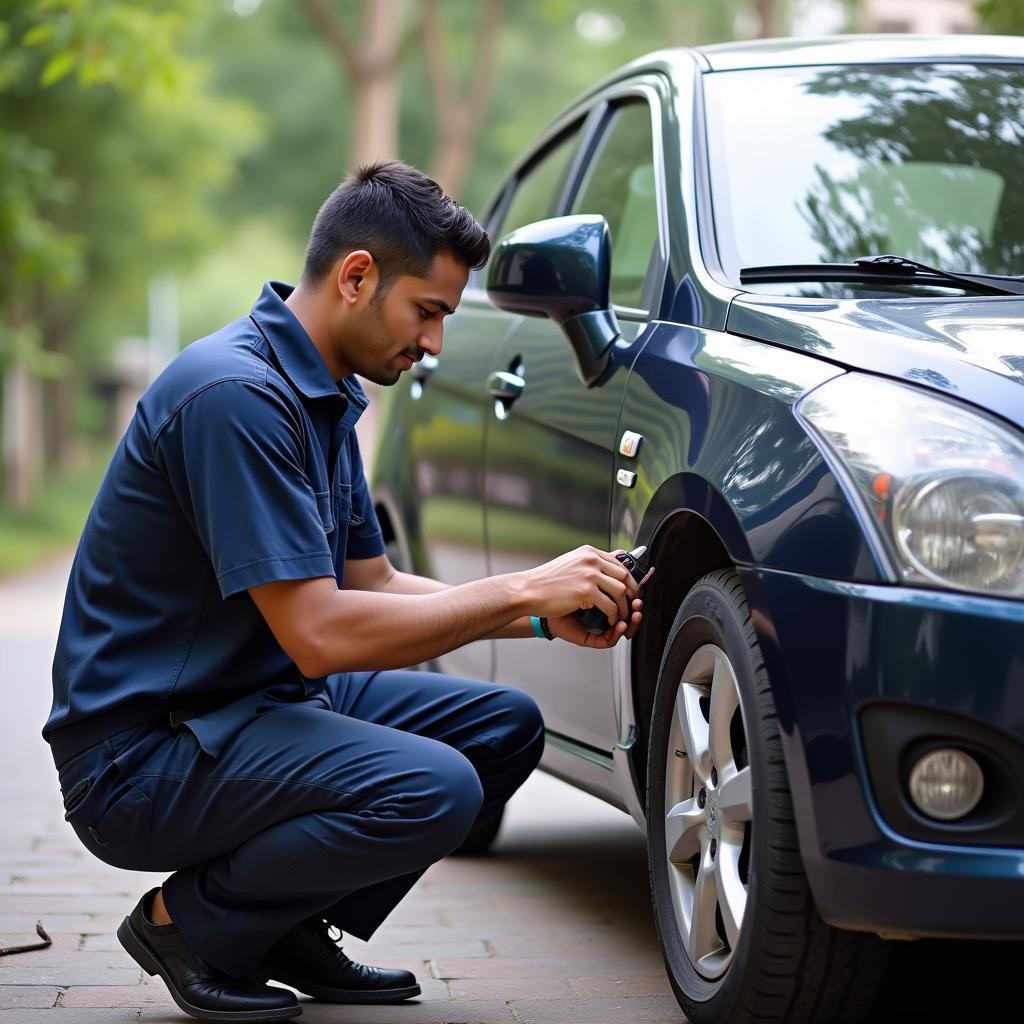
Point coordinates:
[(884, 268)]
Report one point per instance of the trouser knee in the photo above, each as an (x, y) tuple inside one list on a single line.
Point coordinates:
[(527, 723), (438, 803), (515, 738)]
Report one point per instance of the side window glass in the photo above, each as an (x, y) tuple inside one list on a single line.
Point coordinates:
[(619, 184), (538, 189)]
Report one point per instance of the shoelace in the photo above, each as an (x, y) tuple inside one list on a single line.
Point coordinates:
[(324, 929)]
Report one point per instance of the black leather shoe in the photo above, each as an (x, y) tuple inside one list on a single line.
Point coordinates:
[(195, 986), (307, 958)]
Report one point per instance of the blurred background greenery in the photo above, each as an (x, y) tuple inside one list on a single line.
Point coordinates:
[(159, 159)]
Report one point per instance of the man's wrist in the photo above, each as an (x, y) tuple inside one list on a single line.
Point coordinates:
[(539, 623), (518, 590)]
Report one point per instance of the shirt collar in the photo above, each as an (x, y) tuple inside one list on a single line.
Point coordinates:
[(301, 362)]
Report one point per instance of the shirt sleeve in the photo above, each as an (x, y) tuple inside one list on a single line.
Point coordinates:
[(235, 457), (365, 539)]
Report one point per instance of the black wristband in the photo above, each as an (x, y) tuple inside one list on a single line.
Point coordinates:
[(545, 628)]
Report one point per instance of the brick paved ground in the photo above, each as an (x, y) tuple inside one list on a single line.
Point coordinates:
[(556, 927)]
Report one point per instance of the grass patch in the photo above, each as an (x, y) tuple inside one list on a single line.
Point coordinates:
[(55, 518)]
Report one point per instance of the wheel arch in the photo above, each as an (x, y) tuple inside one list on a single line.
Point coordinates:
[(698, 535)]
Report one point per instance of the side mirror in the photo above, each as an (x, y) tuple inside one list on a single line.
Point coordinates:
[(560, 268)]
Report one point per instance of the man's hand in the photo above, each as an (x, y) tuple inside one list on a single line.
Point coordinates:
[(584, 578), (568, 627)]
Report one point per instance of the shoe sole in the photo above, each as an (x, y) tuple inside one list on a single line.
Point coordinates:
[(345, 995), (139, 950)]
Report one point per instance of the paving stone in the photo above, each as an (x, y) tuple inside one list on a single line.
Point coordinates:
[(598, 1011), (530, 967), (117, 995), (510, 988), (598, 986), (70, 903), (51, 960), (539, 943), (65, 976), (411, 1012), (91, 1016), (101, 943), (61, 942), (27, 997), (25, 924)]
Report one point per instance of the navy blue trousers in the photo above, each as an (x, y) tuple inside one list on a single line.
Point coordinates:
[(309, 809)]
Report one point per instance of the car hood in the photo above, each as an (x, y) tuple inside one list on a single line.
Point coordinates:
[(972, 349)]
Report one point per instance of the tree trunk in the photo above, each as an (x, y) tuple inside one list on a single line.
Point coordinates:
[(459, 116), (375, 81), (768, 12), (22, 448), (57, 393), (371, 66)]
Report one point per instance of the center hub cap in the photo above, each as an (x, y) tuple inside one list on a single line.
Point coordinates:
[(712, 812)]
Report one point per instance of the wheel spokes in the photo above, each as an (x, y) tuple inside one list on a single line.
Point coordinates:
[(734, 797), (703, 938), (725, 699), (694, 728), (732, 894), (709, 813), (683, 826)]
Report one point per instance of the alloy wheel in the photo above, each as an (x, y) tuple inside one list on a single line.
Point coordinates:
[(708, 811)]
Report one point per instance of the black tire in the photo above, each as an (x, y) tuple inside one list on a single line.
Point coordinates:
[(481, 837), (787, 965)]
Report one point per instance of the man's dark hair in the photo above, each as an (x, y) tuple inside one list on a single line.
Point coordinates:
[(400, 216)]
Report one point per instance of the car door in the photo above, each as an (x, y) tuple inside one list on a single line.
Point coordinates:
[(449, 408), (550, 451)]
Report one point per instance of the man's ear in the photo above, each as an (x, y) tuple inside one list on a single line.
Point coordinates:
[(357, 277)]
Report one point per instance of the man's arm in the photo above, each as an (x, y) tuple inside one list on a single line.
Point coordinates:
[(324, 629), (379, 575)]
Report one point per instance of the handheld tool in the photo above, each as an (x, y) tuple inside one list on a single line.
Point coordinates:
[(594, 620)]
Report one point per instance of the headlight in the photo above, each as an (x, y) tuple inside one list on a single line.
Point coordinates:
[(943, 484)]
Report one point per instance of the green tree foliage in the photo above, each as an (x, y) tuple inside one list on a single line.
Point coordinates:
[(1005, 16), (275, 58), (111, 143), (271, 53), (546, 59)]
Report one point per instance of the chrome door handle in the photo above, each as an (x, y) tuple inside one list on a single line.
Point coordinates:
[(425, 367), (506, 386)]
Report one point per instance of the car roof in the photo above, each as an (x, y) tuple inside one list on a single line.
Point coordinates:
[(860, 49), (801, 52)]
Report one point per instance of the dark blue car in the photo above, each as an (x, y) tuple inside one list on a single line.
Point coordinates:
[(760, 308)]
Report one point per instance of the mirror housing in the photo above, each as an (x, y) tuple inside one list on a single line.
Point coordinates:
[(560, 269)]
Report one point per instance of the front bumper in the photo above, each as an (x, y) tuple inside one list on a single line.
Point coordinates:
[(834, 649)]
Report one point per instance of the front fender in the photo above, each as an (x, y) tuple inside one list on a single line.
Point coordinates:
[(725, 475), (720, 439)]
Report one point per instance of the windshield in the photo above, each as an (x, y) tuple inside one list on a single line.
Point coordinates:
[(826, 164)]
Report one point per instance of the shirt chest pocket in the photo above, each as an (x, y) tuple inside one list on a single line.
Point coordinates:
[(335, 507)]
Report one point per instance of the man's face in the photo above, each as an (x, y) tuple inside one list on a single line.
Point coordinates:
[(386, 336)]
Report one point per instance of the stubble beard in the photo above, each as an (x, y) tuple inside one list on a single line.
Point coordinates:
[(375, 325), (384, 382)]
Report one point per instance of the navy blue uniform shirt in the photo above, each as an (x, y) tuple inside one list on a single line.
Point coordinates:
[(239, 467)]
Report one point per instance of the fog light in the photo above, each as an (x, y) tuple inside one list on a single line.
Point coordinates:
[(946, 784)]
